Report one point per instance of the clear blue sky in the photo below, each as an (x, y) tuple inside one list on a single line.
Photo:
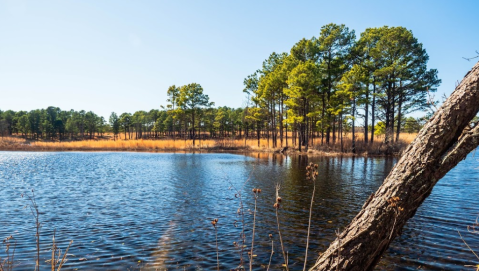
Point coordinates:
[(121, 56)]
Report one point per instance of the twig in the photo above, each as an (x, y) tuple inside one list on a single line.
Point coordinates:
[(311, 174), (54, 250), (36, 215), (272, 252), (430, 99), (276, 206), (468, 246), (214, 222), (469, 58), (64, 257), (240, 212), (7, 263), (474, 228), (256, 192), (13, 255)]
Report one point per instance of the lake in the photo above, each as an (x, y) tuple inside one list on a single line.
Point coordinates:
[(147, 211)]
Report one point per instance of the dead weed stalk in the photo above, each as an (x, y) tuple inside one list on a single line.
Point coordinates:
[(36, 214), (7, 263), (256, 192), (276, 206), (214, 222), (57, 259), (311, 174)]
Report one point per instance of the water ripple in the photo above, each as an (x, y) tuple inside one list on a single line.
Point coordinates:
[(131, 211)]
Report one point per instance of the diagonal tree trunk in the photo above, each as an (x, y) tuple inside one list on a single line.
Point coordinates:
[(442, 143)]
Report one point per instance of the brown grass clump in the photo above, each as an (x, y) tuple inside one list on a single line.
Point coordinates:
[(376, 148), (8, 142)]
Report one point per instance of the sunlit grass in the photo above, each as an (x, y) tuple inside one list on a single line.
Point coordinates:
[(126, 144), (107, 143), (377, 147), (148, 144)]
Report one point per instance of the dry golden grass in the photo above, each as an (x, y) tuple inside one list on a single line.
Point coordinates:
[(377, 147), (15, 143), (151, 144), (407, 137), (125, 144), (12, 142)]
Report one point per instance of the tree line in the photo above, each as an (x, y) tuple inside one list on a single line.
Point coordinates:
[(189, 115), (53, 123), (324, 87)]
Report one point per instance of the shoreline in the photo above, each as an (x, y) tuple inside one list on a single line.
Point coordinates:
[(234, 150)]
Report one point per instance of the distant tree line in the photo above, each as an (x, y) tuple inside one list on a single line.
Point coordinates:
[(39, 124), (52, 123), (324, 87)]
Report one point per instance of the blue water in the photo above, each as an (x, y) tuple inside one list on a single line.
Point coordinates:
[(147, 211)]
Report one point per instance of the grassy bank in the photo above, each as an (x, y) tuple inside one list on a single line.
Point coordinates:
[(106, 143)]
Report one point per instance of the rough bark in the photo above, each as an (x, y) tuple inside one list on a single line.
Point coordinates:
[(443, 142)]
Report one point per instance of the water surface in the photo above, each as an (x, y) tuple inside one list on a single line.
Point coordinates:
[(132, 211)]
